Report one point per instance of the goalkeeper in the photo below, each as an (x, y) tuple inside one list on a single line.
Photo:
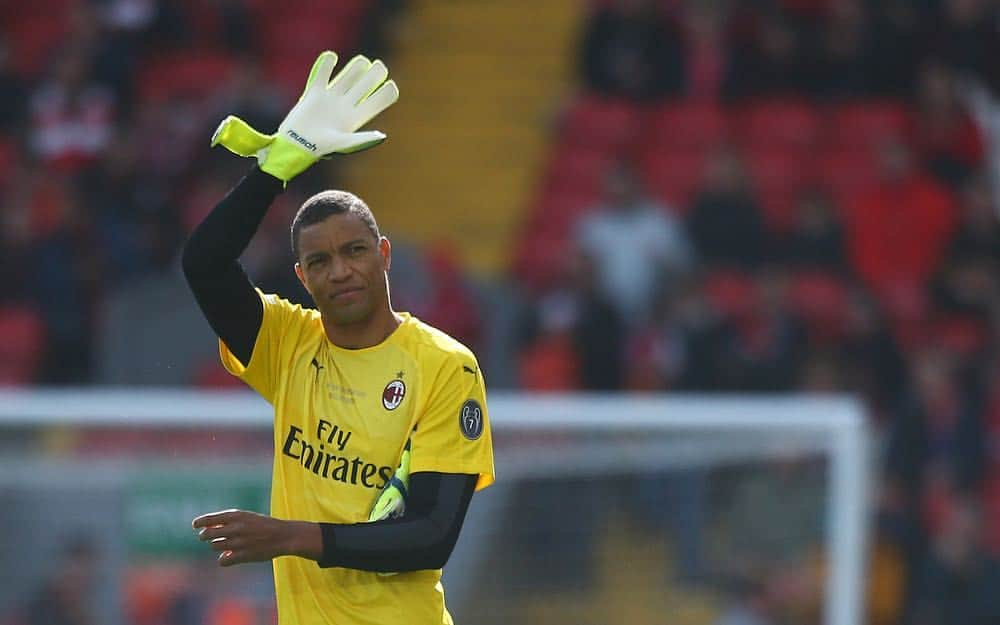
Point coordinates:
[(381, 433)]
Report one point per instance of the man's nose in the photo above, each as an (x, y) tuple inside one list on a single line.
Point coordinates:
[(339, 270)]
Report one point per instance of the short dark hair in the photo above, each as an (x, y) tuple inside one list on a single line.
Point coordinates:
[(327, 203)]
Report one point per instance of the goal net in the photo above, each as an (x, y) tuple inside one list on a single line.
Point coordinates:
[(607, 509)]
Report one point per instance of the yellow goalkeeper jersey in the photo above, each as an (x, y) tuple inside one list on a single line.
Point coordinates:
[(341, 419)]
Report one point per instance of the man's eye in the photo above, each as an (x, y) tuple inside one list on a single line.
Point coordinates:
[(316, 262), (357, 249)]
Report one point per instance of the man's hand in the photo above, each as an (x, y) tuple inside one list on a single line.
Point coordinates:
[(242, 536), (324, 121)]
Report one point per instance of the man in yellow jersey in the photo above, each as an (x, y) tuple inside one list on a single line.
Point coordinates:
[(355, 385)]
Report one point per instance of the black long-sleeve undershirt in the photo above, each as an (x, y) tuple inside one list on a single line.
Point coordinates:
[(425, 536), (422, 539), (211, 262)]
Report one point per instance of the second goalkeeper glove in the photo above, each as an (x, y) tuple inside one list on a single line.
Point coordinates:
[(391, 502), (324, 121)]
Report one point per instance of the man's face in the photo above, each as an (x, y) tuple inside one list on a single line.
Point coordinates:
[(343, 267)]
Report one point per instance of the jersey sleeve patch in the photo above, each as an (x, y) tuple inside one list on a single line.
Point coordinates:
[(470, 419)]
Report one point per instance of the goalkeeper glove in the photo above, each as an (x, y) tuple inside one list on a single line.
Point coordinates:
[(324, 121), (391, 502)]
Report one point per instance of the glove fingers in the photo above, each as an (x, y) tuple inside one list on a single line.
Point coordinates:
[(368, 83), (321, 70), (362, 141), (383, 98), (350, 74)]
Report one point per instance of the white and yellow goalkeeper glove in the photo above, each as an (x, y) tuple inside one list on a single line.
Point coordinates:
[(323, 122), (391, 502)]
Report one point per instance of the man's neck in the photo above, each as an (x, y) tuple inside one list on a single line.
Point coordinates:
[(366, 333)]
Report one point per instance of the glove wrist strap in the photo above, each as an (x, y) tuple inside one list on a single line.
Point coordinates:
[(285, 160)]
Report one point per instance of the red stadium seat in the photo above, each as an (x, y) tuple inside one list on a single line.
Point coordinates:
[(674, 176), (959, 334), (311, 33), (908, 307), (865, 125), (689, 124), (184, 74), (844, 173), (784, 124), (558, 209), (21, 345), (731, 292), (268, 10), (538, 258), (34, 37), (602, 122), (778, 175), (578, 167)]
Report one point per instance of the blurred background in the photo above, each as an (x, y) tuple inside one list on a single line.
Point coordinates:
[(794, 197)]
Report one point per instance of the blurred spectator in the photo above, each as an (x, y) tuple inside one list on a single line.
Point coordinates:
[(449, 303), (629, 51), (957, 583), (248, 96), (707, 54), (66, 269), (946, 140), (967, 288), (964, 35), (14, 92), (750, 544), (842, 58), (110, 54), (821, 373), (898, 231), (897, 45), (935, 454), (747, 604), (978, 234), (725, 222), (132, 221), (876, 368), (769, 63), (816, 240), (72, 117), (67, 597), (572, 337), (635, 244), (235, 25), (771, 341), (160, 23), (685, 347)]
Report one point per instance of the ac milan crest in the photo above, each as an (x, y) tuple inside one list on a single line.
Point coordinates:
[(393, 394)]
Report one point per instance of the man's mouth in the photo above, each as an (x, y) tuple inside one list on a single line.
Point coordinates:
[(347, 292)]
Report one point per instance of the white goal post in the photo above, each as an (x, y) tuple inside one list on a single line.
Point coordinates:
[(834, 425)]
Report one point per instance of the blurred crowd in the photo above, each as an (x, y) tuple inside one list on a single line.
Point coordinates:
[(754, 196), (104, 163), (794, 197)]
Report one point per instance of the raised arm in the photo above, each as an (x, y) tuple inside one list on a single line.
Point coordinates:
[(324, 121), (211, 262)]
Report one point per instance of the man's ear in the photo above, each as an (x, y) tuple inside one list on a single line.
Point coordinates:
[(301, 276), (385, 249)]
